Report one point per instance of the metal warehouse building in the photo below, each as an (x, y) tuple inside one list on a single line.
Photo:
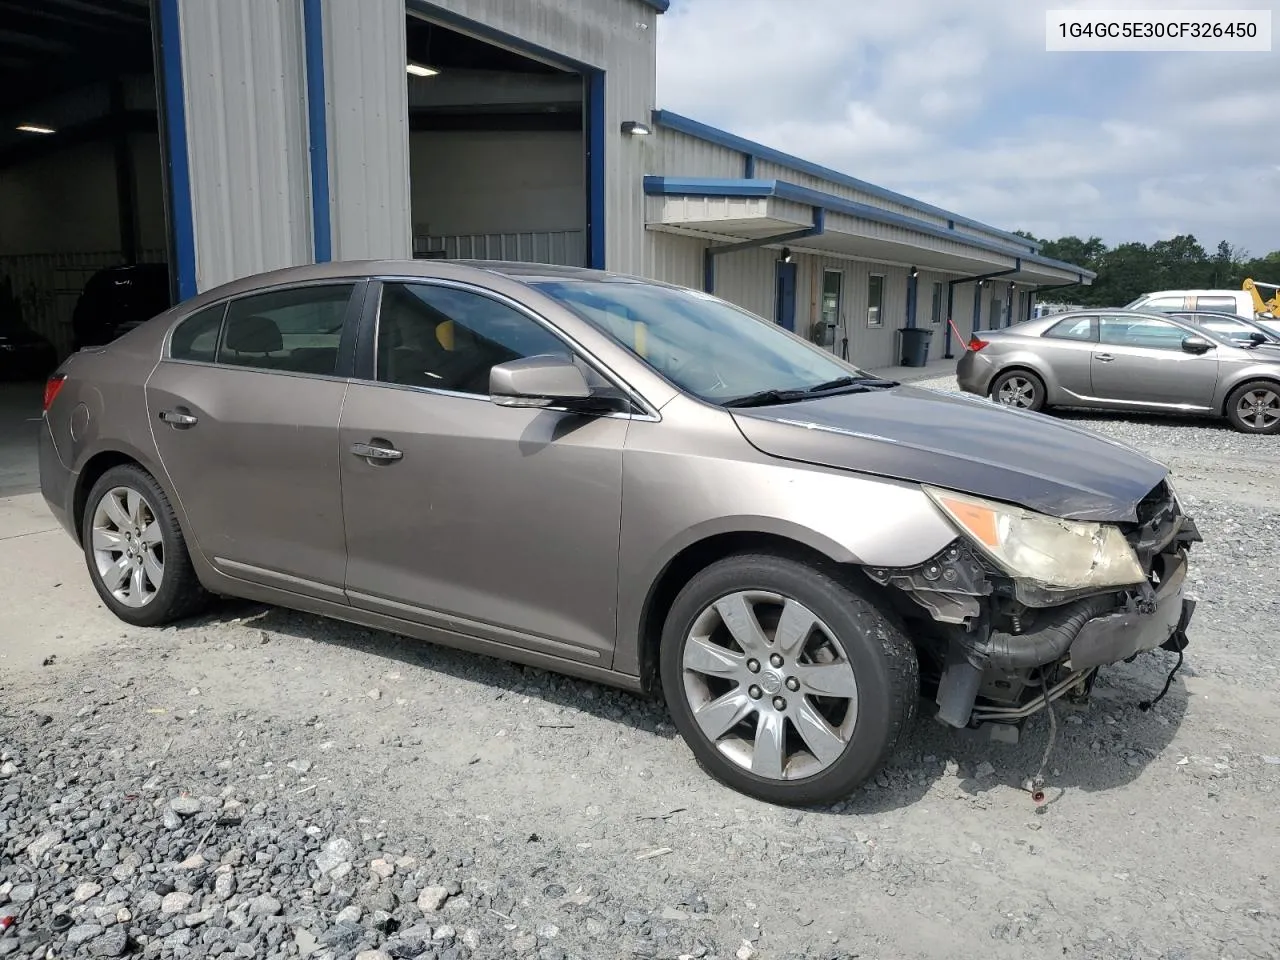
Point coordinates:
[(231, 137)]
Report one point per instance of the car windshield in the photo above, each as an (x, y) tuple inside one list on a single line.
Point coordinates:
[(709, 348)]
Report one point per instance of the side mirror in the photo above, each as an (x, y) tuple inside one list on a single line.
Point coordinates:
[(1196, 345), (1258, 338), (544, 381)]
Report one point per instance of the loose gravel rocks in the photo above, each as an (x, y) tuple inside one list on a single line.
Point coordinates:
[(476, 809)]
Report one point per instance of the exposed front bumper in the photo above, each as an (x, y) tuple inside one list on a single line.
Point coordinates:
[(1120, 635)]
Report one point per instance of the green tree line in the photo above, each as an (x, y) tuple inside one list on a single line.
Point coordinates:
[(1129, 270)]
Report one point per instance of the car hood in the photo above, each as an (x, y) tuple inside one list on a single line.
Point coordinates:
[(963, 443)]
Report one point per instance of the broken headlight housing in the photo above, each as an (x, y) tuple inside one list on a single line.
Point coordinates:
[(1055, 553)]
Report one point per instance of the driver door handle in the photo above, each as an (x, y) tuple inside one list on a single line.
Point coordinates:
[(1104, 357), (371, 451), (177, 418)]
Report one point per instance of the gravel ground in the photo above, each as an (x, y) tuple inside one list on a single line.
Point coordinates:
[(261, 783)]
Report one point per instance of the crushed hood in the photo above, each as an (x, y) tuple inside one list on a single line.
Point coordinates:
[(962, 443)]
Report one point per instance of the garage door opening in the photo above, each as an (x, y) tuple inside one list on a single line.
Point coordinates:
[(81, 181), (497, 151)]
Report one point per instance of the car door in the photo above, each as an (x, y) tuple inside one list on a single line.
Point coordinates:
[(492, 522), (1067, 348), (244, 410), (1140, 361)]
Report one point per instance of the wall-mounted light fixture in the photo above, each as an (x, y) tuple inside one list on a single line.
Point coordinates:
[(786, 254), (634, 128), (35, 128), (420, 70), (914, 273)]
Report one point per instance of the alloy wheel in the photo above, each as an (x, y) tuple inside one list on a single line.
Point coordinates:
[(1017, 392), (769, 685), (1259, 408), (128, 546)]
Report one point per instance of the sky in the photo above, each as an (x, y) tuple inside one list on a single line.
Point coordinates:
[(957, 103)]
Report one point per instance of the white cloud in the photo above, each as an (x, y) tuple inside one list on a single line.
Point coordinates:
[(960, 105)]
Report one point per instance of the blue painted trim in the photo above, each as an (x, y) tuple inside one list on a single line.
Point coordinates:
[(660, 5), (718, 187), (749, 167), (596, 255), (317, 131), (181, 218), (693, 128), (913, 285)]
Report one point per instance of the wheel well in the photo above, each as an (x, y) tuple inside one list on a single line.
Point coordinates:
[(98, 464), (1017, 368), (1226, 401), (684, 566)]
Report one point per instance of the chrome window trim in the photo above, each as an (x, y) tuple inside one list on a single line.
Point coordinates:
[(650, 412)]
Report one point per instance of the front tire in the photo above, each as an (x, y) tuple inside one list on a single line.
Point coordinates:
[(1255, 407), (135, 551), (787, 684), (1020, 389)]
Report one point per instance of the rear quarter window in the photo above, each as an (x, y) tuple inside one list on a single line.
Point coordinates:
[(196, 338)]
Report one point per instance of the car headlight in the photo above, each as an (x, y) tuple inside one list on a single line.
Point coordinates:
[(1068, 554)]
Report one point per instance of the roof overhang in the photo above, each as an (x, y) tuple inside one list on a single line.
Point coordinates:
[(733, 211)]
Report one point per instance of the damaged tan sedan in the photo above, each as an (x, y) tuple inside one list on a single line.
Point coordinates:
[(630, 482)]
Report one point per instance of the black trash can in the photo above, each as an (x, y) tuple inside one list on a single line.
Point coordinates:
[(915, 346)]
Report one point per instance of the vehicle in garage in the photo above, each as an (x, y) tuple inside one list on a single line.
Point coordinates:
[(623, 480), (117, 299), (1125, 360), (24, 353)]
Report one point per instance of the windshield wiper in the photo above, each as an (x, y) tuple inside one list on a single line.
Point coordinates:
[(764, 398), (857, 382)]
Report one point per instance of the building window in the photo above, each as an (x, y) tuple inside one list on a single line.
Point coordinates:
[(832, 287), (875, 300), (935, 312)]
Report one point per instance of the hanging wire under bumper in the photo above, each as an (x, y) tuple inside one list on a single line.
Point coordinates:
[(1010, 714)]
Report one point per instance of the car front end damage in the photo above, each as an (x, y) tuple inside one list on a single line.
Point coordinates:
[(1022, 609)]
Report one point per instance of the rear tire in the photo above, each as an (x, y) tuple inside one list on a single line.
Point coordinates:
[(135, 551), (1254, 407), (1020, 389), (805, 697)]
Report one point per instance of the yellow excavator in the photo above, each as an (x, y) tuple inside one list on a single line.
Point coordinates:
[(1263, 307)]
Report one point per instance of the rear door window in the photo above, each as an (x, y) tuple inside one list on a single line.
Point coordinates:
[(297, 330)]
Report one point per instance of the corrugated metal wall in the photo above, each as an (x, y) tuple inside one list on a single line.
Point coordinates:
[(246, 134), (368, 119), (619, 37)]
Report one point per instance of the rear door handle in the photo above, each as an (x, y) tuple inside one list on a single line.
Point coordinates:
[(178, 418), (373, 451), (1104, 357)]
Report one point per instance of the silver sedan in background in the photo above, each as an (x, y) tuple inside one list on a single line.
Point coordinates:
[(1126, 360)]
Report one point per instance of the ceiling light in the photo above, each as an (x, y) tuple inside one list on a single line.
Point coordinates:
[(419, 70), (35, 128), (635, 128)]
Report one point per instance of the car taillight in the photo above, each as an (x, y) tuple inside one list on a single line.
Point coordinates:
[(976, 344), (51, 388)]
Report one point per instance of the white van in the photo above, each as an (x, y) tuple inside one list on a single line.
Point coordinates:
[(1238, 302)]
